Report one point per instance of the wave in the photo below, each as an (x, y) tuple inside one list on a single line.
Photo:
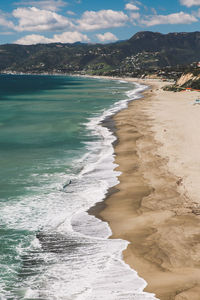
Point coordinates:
[(100, 272), (116, 279), (71, 256)]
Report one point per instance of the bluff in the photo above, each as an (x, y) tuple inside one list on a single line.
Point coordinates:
[(145, 51), (190, 79)]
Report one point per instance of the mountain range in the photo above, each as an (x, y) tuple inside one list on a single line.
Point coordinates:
[(145, 51)]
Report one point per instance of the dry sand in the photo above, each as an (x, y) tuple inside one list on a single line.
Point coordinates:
[(157, 205)]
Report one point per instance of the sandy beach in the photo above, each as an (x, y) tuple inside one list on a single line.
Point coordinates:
[(156, 206)]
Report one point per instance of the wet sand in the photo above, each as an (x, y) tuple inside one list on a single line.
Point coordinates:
[(156, 205)]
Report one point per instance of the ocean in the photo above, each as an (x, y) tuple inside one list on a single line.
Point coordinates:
[(57, 161)]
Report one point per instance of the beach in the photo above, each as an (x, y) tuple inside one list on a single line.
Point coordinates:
[(66, 148), (56, 163), (156, 205)]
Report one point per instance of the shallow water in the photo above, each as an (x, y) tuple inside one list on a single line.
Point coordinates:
[(56, 162)]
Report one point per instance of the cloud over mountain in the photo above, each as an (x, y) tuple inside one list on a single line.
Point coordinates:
[(108, 36), (94, 20), (65, 37), (43, 19), (34, 19), (176, 18)]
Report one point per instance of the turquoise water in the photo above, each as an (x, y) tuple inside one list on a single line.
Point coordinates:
[(41, 122), (57, 161)]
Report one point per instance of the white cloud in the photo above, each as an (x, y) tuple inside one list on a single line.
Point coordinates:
[(176, 18), (108, 36), (65, 37), (94, 20), (71, 13), (52, 5), (5, 23), (134, 16), (34, 19), (70, 37), (130, 6), (153, 10), (33, 39), (190, 3)]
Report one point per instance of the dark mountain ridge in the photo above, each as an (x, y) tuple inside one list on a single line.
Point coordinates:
[(145, 51)]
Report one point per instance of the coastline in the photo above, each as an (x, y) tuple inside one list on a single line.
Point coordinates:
[(154, 206)]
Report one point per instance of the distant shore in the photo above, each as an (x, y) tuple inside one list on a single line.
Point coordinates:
[(156, 205)]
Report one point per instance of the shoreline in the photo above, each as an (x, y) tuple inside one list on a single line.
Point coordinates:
[(153, 207)]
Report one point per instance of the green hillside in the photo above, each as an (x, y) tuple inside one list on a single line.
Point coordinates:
[(144, 51)]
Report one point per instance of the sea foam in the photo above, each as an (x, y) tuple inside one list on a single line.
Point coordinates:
[(72, 256)]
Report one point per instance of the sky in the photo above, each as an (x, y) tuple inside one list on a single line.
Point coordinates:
[(93, 21)]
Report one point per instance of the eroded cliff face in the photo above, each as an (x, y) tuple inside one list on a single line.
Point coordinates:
[(189, 77)]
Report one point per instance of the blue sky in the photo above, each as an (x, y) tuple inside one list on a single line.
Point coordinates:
[(68, 21)]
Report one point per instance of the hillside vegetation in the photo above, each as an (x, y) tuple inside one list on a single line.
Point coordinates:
[(145, 52)]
